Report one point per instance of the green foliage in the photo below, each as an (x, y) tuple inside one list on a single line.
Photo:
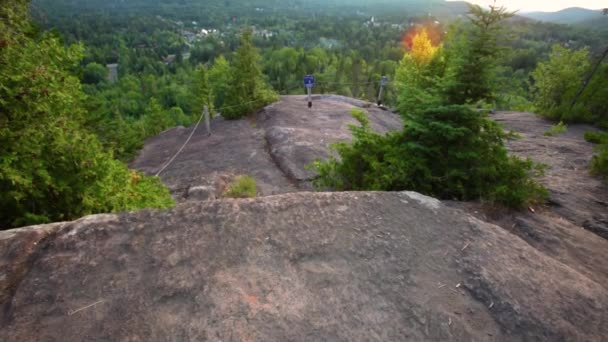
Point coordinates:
[(472, 64), (179, 117), (202, 90), (464, 71), (219, 80), (124, 114), (248, 90), (556, 129), (94, 73), (449, 152), (419, 82), (597, 137), (510, 101), (446, 149), (156, 119), (592, 105), (599, 163), (556, 82), (51, 168), (241, 187)]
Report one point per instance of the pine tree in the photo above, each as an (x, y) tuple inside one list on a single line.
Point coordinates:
[(156, 119), (248, 88), (419, 74), (476, 51)]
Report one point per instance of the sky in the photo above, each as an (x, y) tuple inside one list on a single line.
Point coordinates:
[(544, 5)]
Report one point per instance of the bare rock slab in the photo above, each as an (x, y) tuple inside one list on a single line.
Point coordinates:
[(295, 267)]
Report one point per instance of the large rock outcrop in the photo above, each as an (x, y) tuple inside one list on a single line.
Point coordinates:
[(295, 267), (274, 146)]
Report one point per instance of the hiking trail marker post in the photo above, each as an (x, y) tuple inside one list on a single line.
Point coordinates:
[(309, 83), (383, 83), (207, 119)]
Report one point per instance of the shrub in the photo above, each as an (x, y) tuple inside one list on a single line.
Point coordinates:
[(514, 102), (450, 152), (597, 137), (241, 187), (556, 129), (599, 163)]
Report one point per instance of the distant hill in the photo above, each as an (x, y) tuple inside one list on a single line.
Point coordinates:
[(573, 15)]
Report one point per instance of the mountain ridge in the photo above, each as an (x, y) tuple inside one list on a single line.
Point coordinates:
[(571, 15)]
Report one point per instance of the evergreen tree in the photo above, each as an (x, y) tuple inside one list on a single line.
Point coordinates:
[(475, 51), (248, 90), (419, 74), (51, 167), (156, 119)]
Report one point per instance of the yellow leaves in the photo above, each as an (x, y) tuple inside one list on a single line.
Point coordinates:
[(415, 69), (422, 49), (135, 177)]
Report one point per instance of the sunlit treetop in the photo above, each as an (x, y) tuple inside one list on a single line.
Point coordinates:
[(422, 49)]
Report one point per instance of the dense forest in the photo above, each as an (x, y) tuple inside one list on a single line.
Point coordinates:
[(84, 83)]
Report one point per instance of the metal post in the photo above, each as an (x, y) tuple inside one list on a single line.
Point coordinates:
[(309, 82), (309, 97), (383, 83), (207, 120)]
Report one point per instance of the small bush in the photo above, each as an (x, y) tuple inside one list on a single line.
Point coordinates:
[(241, 187), (599, 163), (556, 129), (596, 137), (514, 102)]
